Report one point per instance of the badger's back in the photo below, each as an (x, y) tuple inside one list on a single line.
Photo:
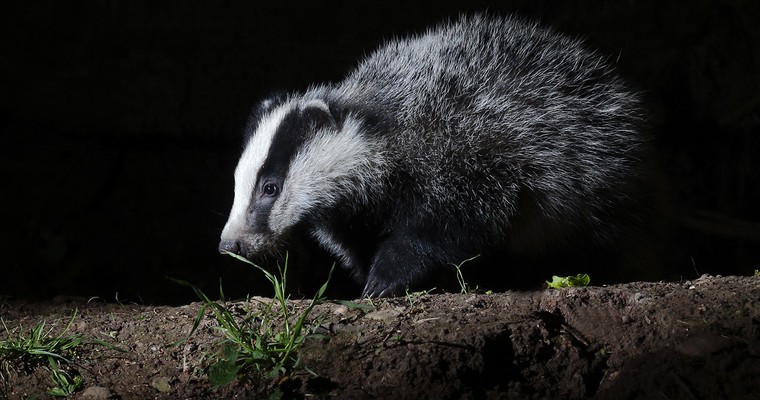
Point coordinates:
[(500, 124)]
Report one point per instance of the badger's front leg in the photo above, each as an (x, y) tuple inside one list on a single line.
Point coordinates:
[(401, 261)]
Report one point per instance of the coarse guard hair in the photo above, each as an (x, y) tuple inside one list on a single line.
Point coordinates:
[(487, 135)]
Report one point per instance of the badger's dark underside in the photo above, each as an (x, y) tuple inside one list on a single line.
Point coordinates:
[(399, 255)]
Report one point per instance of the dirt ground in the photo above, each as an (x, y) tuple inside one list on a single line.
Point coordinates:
[(687, 340)]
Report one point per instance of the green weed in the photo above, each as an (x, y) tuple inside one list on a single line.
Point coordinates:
[(39, 347), (258, 343), (569, 281), (65, 383)]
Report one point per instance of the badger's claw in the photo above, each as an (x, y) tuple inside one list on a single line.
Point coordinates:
[(376, 288)]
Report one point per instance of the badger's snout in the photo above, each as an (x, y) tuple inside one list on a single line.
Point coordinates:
[(230, 246), (247, 245)]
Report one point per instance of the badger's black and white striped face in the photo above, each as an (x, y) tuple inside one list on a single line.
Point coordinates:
[(299, 162)]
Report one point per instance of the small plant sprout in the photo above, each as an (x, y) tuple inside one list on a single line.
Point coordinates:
[(259, 343), (414, 297), (464, 287), (569, 281)]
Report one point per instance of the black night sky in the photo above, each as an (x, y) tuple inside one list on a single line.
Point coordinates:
[(120, 124)]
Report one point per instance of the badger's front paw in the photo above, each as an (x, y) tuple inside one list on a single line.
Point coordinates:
[(380, 287)]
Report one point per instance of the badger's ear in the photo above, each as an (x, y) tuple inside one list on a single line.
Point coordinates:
[(316, 114)]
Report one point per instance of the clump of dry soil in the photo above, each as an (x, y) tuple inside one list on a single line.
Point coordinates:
[(692, 340)]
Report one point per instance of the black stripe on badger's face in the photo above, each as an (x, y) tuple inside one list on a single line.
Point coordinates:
[(289, 138)]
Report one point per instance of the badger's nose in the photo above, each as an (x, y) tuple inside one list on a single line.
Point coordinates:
[(229, 246)]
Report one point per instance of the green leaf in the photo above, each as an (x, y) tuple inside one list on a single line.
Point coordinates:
[(569, 281)]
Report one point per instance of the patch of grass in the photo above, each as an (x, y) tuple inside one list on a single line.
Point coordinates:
[(258, 345), (569, 281), (757, 272), (39, 347)]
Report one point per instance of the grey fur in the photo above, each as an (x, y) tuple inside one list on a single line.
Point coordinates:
[(486, 133)]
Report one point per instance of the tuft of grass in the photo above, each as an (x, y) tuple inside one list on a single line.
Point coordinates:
[(757, 272), (39, 347), (258, 343), (569, 281)]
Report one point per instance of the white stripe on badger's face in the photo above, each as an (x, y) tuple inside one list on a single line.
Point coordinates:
[(248, 167), (330, 166)]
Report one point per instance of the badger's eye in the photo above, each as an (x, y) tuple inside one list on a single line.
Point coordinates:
[(270, 189)]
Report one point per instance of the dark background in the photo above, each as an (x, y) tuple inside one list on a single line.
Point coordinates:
[(120, 125)]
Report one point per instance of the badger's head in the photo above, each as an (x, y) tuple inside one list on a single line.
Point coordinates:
[(302, 161)]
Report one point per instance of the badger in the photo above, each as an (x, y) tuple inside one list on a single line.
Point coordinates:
[(486, 134)]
